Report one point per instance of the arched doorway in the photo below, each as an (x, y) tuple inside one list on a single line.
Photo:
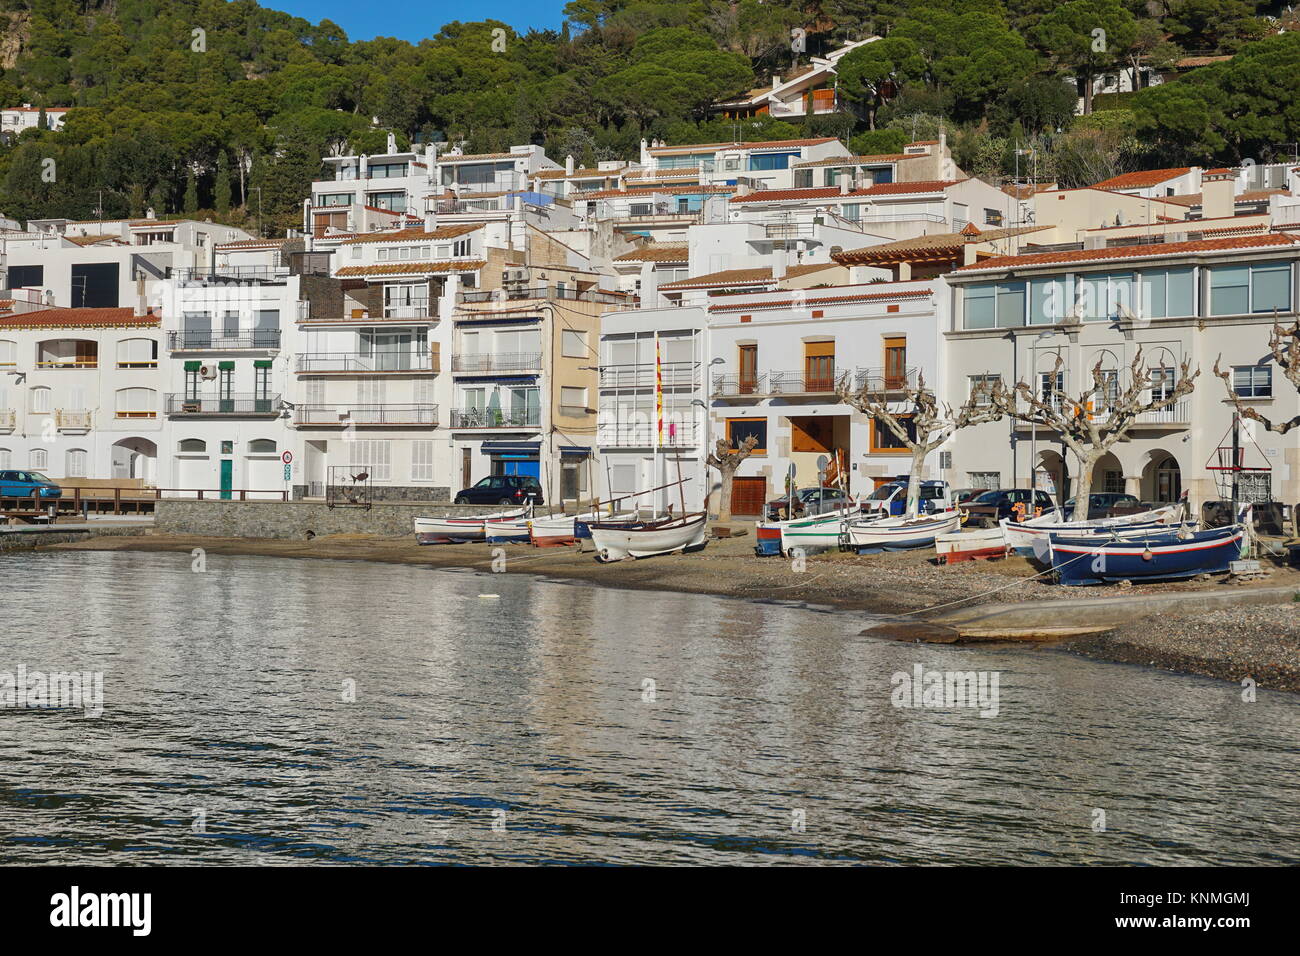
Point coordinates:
[(135, 459), (1162, 479), (1052, 475)]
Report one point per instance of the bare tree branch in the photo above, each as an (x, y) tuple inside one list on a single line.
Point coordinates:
[(727, 459), (1284, 344)]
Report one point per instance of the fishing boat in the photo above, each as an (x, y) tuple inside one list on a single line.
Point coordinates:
[(899, 533), (1022, 534), (616, 541), (972, 544), (818, 531), (506, 530), (449, 529), (1042, 542), (555, 530), (1166, 555)]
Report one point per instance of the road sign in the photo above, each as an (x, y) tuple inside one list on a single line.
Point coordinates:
[(288, 471), (287, 457)]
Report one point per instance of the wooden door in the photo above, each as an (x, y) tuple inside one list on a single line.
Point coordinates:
[(895, 362), (748, 369), (748, 496), (819, 366)]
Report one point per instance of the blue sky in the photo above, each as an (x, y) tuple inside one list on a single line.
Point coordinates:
[(413, 20)]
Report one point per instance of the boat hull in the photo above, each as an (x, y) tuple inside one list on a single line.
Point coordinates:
[(1022, 534), (819, 531), (1080, 561), (454, 530), (506, 531), (970, 545), (614, 542), (899, 534)]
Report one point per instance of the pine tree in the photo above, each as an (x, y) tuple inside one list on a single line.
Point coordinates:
[(191, 194), (222, 191)]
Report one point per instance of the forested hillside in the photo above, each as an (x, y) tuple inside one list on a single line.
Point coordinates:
[(188, 121)]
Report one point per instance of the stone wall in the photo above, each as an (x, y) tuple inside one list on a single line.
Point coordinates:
[(395, 493), (292, 519)]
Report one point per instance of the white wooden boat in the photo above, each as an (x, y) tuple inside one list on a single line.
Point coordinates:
[(614, 542), (969, 545), (555, 530), (449, 528), (896, 534), (818, 531), (502, 530), (1022, 534)]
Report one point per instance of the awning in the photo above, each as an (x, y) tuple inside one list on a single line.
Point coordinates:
[(511, 447), (193, 366), (261, 363), (226, 366), (575, 451)]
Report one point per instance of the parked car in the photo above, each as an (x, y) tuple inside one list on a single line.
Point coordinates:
[(892, 497), (502, 490), (963, 495), (989, 508), (22, 484), (1106, 504), (807, 501)]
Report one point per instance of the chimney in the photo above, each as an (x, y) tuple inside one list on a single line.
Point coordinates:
[(364, 172), (1218, 191), (392, 144), (306, 217), (568, 165), (649, 286), (776, 81), (968, 254), (431, 221), (778, 263), (150, 214), (844, 185), (645, 153)]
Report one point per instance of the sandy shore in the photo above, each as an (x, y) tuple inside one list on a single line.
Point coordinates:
[(1229, 643)]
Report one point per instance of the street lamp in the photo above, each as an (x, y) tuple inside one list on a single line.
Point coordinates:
[(707, 405), (1033, 428)]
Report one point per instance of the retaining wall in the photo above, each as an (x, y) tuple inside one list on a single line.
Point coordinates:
[(293, 519)]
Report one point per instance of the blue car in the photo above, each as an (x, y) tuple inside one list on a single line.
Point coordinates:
[(23, 484)]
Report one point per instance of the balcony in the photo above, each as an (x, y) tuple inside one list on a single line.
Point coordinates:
[(381, 416), (644, 434), (1176, 417), (643, 375), (225, 274), (514, 294), (495, 418), (73, 421), (224, 406), (191, 340), (8, 419), (800, 382), (354, 363), (790, 230), (420, 309), (492, 363)]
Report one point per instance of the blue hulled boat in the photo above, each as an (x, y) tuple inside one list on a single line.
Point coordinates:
[(1159, 556)]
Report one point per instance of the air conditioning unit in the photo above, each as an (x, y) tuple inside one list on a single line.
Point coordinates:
[(510, 276), (207, 371)]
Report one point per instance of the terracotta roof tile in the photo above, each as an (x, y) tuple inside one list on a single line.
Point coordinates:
[(830, 192), (80, 318), (933, 243), (743, 276), (415, 234), (657, 252), (409, 268), (859, 160), (1150, 251), (1142, 178)]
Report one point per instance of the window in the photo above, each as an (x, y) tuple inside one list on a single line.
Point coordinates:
[(8, 353), (1253, 381), (1243, 289), (883, 439), (372, 456), (192, 446), (40, 459), (1047, 301), (460, 249), (748, 380), (1112, 482), (262, 446), (334, 199), (739, 429), (40, 400), (819, 366), (992, 217), (76, 463), (981, 386), (851, 211), (896, 362), (137, 353), (422, 460), (1166, 293), (1101, 296), (991, 480), (6, 459), (573, 398), (136, 403), (573, 344), (994, 305), (768, 161)]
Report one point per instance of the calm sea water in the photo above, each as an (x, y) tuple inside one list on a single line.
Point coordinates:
[(518, 729)]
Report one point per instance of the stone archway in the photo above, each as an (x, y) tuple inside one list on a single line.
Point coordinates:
[(1162, 478)]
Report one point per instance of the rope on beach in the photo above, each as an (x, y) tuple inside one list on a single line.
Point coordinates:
[(972, 597)]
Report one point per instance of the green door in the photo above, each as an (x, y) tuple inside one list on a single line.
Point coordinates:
[(227, 477)]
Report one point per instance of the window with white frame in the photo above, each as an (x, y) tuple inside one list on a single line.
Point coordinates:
[(40, 398), (76, 463), (8, 353), (1252, 381), (40, 459), (1253, 288), (460, 249), (573, 344), (137, 353), (573, 398), (136, 403), (372, 456), (422, 460), (6, 459), (981, 387)]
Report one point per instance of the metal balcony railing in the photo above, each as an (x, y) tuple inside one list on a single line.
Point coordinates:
[(643, 375), (645, 434), (495, 418), (226, 273), (730, 384), (801, 382), (489, 362), (790, 231), (344, 362), (223, 406), (424, 309), (190, 340), (56, 362), (885, 379), (342, 416)]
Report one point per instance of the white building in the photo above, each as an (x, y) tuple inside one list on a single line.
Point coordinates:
[(15, 119)]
